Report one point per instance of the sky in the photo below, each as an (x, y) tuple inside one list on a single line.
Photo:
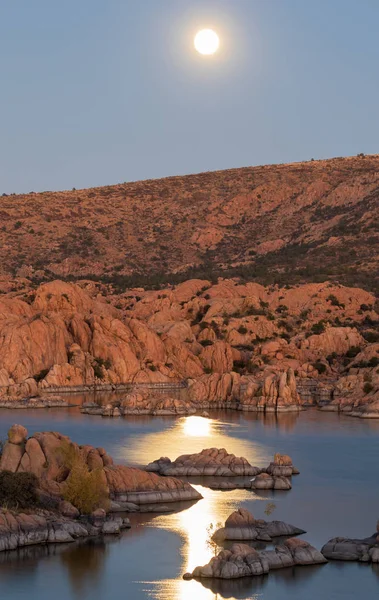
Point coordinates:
[(97, 92)]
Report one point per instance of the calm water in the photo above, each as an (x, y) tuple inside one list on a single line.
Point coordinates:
[(337, 493)]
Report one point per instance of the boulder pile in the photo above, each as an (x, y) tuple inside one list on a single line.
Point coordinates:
[(244, 561)]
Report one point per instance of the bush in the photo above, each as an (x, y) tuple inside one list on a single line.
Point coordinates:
[(206, 343), (242, 329), (334, 301), (371, 336), (18, 490), (41, 375), (320, 367), (368, 387), (318, 328), (353, 351), (85, 489)]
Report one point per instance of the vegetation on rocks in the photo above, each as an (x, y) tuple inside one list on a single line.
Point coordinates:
[(18, 490)]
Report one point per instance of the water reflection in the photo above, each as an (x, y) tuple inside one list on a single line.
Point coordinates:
[(188, 435), (85, 564), (192, 526)]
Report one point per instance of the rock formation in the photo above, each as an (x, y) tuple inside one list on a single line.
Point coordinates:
[(210, 462), (141, 403), (238, 346), (244, 561), (43, 527), (44, 455), (264, 481), (282, 466), (241, 525), (276, 393), (364, 550)]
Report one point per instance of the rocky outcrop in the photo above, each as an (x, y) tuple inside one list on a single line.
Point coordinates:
[(141, 403), (356, 395), (282, 466), (210, 462), (45, 455), (45, 527), (276, 393), (264, 481), (241, 525), (244, 561), (51, 401), (364, 550)]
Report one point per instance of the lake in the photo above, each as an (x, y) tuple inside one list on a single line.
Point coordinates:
[(336, 493)]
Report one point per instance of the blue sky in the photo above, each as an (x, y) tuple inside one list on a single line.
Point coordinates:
[(95, 92)]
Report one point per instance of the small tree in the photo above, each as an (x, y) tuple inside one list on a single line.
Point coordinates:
[(85, 489), (211, 543), (270, 507)]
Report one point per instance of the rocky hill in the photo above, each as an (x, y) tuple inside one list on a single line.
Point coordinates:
[(303, 222), (218, 336)]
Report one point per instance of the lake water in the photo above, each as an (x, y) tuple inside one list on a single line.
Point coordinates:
[(337, 493)]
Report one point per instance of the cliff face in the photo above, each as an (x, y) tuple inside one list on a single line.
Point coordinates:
[(289, 223), (219, 337)]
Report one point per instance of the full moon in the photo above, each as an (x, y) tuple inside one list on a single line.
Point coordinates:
[(207, 41)]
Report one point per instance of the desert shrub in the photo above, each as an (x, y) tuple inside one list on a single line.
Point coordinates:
[(318, 328), (282, 308), (365, 307), (320, 367), (206, 343), (18, 490), (368, 387), (331, 357), (353, 351), (99, 365), (85, 489), (242, 329), (41, 375), (371, 336), (334, 301)]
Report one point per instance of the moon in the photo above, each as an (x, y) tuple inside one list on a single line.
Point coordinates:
[(207, 42)]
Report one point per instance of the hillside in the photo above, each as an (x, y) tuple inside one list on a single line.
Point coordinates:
[(312, 221), (214, 336)]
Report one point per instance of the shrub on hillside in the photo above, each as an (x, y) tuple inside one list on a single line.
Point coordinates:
[(18, 490), (368, 387)]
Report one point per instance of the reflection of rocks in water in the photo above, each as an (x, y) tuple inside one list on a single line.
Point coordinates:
[(283, 421), (294, 577), (84, 563), (27, 559), (237, 589)]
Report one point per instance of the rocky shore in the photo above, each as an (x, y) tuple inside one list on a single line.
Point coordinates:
[(36, 402), (44, 455), (244, 561), (20, 529)]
